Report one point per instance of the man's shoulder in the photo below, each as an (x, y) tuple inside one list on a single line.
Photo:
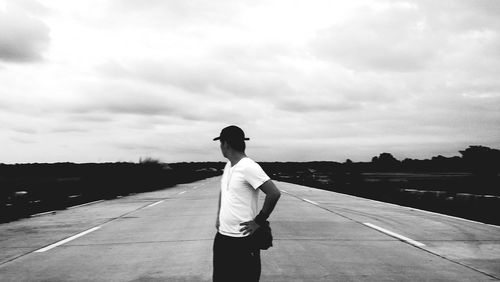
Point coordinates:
[(249, 162), (250, 165), (254, 173)]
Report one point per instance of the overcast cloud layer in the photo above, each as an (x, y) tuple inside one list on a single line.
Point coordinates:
[(116, 80)]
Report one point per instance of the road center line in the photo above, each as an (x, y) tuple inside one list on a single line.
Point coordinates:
[(66, 240), (395, 235), (154, 204)]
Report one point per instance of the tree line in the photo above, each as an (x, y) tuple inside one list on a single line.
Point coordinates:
[(37, 187)]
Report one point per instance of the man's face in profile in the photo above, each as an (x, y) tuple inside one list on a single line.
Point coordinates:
[(223, 147)]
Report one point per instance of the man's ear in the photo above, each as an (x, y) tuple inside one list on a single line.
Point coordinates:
[(226, 145)]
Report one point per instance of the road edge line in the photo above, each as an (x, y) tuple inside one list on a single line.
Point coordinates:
[(42, 213), (85, 204)]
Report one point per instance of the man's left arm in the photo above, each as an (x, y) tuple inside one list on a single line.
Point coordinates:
[(272, 197)]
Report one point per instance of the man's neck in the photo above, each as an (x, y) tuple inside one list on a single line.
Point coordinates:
[(235, 157)]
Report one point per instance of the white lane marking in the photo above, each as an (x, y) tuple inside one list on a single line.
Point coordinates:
[(284, 191), (66, 240), (154, 204), (400, 206), (86, 204), (309, 201), (395, 235), (182, 192), (415, 209)]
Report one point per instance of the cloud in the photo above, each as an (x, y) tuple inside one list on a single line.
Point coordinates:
[(307, 81), (413, 36), (121, 98), (462, 15), (23, 140), (218, 76), (311, 104), (387, 38), (23, 38), (110, 100), (137, 147), (84, 118), (178, 12), (26, 130), (69, 129), (33, 7)]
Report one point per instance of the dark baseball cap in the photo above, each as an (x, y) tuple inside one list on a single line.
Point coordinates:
[(231, 132)]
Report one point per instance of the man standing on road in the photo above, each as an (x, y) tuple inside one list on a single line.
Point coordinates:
[(238, 218)]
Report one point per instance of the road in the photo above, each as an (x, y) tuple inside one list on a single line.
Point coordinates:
[(167, 235)]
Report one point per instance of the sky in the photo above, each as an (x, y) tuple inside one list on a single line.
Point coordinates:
[(121, 80)]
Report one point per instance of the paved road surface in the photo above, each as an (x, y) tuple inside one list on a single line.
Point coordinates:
[(319, 236)]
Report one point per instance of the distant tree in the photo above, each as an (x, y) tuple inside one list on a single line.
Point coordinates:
[(149, 160), (386, 161), (482, 160), (441, 163), (438, 158), (387, 157), (410, 164)]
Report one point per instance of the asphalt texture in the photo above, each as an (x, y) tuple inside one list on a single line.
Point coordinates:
[(167, 235)]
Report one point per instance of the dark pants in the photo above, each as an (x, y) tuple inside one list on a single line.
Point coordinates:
[(234, 260)]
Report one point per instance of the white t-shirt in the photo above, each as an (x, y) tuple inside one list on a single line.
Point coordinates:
[(239, 195)]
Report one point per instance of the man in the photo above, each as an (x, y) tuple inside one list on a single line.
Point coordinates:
[(238, 218)]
